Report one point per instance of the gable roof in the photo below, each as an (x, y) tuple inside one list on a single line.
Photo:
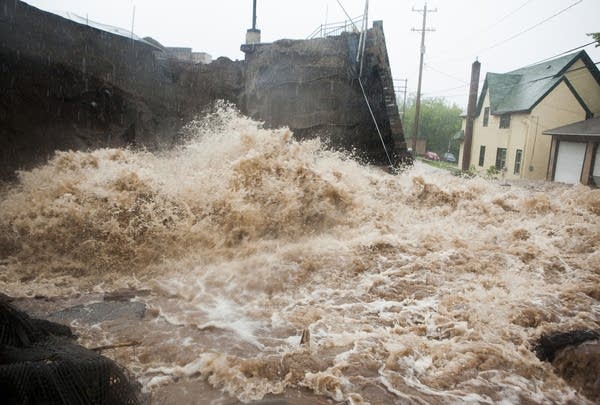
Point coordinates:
[(589, 127), (522, 89)]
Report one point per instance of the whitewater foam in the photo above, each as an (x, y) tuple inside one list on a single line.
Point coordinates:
[(421, 287)]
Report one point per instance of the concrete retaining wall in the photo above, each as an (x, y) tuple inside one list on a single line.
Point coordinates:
[(66, 85)]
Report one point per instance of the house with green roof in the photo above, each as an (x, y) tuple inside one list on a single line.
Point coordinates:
[(515, 108)]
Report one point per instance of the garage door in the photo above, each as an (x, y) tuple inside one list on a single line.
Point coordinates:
[(596, 172), (569, 162)]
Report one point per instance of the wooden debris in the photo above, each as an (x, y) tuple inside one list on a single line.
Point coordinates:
[(305, 339), (117, 345)]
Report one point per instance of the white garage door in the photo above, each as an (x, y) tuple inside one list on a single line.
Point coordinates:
[(596, 172), (569, 162)]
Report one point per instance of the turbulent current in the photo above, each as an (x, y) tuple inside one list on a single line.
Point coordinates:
[(420, 287)]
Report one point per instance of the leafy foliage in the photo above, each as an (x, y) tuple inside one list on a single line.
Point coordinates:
[(596, 36), (492, 172), (467, 174), (439, 121)]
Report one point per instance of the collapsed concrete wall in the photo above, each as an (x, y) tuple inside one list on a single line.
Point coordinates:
[(312, 87), (66, 85)]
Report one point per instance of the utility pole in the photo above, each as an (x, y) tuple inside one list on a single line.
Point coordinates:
[(473, 89), (418, 102), (401, 88)]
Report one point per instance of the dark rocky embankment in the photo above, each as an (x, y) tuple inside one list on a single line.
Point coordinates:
[(66, 85), (575, 356)]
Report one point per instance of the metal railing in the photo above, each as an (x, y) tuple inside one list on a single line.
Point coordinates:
[(331, 29), (358, 25)]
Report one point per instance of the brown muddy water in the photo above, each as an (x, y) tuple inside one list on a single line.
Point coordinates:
[(421, 287)]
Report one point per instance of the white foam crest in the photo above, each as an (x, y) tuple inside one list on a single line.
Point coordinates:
[(423, 282)]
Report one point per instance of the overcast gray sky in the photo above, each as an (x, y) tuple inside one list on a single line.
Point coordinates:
[(464, 30)]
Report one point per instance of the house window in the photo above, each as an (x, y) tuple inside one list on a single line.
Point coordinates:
[(481, 155), (505, 121), (518, 158), (486, 116), (500, 158)]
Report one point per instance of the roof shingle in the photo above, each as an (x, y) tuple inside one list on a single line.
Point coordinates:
[(521, 89), (589, 127)]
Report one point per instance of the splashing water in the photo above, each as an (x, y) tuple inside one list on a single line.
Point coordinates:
[(422, 287)]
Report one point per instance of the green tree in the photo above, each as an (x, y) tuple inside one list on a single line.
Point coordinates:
[(596, 36), (438, 122)]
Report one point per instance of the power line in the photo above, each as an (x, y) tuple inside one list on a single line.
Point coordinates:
[(511, 37), (507, 86), (562, 53), (529, 29), (506, 16), (442, 91), (423, 30), (502, 19), (351, 21), (545, 77), (444, 73)]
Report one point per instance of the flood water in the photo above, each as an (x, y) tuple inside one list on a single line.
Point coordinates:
[(421, 287)]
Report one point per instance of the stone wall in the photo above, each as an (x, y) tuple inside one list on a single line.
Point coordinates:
[(66, 85)]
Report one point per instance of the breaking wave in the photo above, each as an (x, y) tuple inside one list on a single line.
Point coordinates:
[(117, 210)]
